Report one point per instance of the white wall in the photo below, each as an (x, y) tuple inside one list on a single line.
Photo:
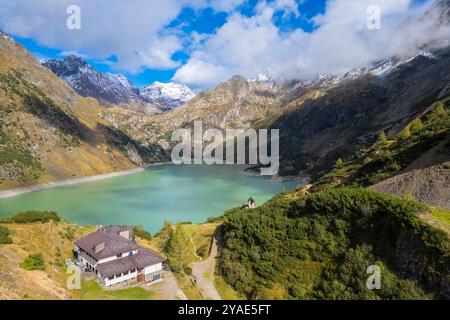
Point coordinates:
[(120, 279), (153, 268)]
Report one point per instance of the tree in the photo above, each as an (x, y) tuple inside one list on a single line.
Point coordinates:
[(405, 133), (177, 249), (339, 163), (381, 141), (416, 125)]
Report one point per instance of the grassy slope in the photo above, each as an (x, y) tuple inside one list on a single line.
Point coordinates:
[(48, 132), (17, 283)]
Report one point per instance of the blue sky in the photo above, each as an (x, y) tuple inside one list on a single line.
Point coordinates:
[(201, 43)]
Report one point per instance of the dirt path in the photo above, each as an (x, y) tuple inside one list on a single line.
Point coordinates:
[(203, 273), (168, 288)]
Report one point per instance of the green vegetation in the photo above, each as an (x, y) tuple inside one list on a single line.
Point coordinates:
[(142, 233), (385, 159), (442, 215), (33, 262), (179, 250), (339, 163), (381, 141), (225, 291), (5, 235), (59, 262), (33, 216), (319, 247), (68, 233), (93, 291)]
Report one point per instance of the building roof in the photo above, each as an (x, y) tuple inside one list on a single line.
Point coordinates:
[(114, 244), (117, 229), (142, 259)]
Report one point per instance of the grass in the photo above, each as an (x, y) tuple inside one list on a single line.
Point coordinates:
[(93, 291), (225, 291), (202, 237), (441, 214), (188, 287), (44, 238)]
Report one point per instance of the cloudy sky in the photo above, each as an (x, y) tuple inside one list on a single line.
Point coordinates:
[(203, 42)]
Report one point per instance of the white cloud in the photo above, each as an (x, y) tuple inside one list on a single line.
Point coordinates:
[(131, 30), (136, 33), (225, 5), (248, 45)]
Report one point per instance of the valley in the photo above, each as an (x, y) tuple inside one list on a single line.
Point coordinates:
[(363, 181)]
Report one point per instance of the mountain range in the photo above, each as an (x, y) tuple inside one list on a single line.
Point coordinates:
[(320, 119), (116, 89)]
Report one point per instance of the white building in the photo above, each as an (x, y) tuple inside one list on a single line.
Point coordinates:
[(113, 256)]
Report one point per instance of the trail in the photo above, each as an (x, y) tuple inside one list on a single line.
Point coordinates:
[(203, 273)]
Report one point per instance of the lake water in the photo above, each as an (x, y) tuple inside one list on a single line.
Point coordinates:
[(168, 192)]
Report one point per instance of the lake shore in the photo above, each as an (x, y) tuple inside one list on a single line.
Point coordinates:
[(67, 182)]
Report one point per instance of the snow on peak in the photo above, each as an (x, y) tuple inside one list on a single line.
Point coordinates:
[(167, 95), (5, 36), (264, 76), (121, 79)]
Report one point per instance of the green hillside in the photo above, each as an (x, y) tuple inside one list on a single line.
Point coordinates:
[(319, 246)]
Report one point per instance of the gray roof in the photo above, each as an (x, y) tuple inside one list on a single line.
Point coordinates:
[(143, 259), (117, 229), (114, 244)]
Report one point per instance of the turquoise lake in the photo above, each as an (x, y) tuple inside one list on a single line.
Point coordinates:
[(174, 193)]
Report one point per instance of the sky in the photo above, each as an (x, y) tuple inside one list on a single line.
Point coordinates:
[(201, 43)]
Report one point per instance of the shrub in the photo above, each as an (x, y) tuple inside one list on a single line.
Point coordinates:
[(33, 216), (33, 262), (141, 232), (68, 233), (339, 163), (4, 235)]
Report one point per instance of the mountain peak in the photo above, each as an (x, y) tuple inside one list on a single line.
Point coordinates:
[(167, 95)]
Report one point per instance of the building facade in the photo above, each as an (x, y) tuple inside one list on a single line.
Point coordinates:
[(112, 255)]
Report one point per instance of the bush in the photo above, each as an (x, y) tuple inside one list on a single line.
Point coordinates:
[(33, 216), (4, 235), (141, 232), (68, 233), (33, 262)]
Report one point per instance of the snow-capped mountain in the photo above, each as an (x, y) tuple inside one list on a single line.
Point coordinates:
[(167, 95), (88, 82), (384, 67)]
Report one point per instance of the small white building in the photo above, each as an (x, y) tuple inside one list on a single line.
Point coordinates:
[(113, 256)]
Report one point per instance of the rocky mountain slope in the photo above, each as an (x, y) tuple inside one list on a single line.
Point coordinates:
[(88, 82), (351, 114), (49, 132), (116, 89), (430, 185)]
